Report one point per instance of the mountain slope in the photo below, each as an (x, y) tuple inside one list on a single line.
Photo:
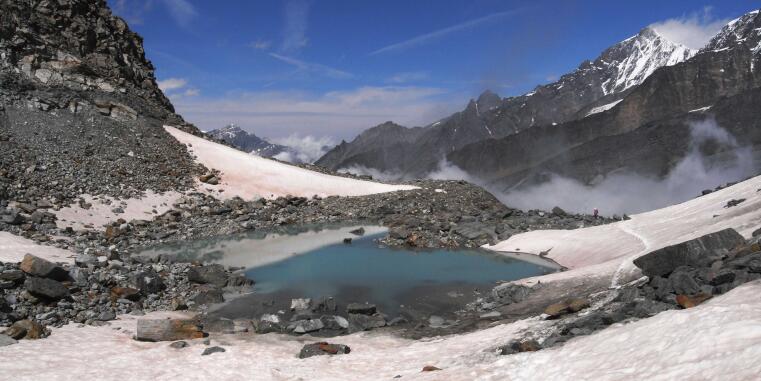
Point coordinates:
[(593, 83), (723, 73)]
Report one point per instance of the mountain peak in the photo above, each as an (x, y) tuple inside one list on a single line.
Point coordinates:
[(744, 30), (488, 99), (632, 60)]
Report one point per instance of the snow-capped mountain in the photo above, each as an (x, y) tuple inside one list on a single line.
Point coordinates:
[(244, 141), (584, 91), (744, 30), (629, 62), (644, 129)]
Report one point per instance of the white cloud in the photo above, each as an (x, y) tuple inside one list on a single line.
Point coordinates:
[(176, 88), (313, 67), (170, 84), (623, 192), (424, 38), (303, 149), (294, 33), (409, 76), (693, 31), (341, 114), (260, 44)]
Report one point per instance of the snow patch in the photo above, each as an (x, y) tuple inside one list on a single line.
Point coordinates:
[(701, 109), (100, 213), (13, 248), (604, 107), (249, 176)]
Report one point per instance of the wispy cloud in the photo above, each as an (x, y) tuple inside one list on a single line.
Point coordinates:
[(294, 32), (409, 76), (181, 11), (172, 84), (424, 38), (341, 114), (261, 44), (313, 67), (175, 88), (693, 30)]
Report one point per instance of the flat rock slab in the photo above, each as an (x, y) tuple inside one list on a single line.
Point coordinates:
[(323, 349), (212, 350), (171, 329), (6, 340), (698, 252), (41, 267)]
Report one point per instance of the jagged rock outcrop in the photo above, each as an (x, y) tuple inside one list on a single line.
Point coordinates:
[(80, 109)]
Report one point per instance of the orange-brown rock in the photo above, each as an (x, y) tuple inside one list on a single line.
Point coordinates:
[(691, 301)]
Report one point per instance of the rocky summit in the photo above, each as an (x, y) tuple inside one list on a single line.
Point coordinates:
[(80, 108)]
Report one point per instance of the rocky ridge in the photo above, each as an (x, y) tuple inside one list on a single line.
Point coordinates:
[(416, 151), (719, 83)]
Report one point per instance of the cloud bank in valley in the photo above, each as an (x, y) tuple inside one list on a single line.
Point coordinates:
[(303, 149), (621, 193)]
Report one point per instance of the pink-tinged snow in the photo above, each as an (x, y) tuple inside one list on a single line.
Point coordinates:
[(13, 248), (608, 250), (100, 214), (249, 176), (720, 339)]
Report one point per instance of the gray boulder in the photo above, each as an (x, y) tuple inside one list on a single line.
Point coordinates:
[(306, 325), (14, 276), (208, 274), (323, 349), (40, 267), (683, 283), (148, 282), (361, 308), (359, 322), (46, 288), (208, 294), (698, 252), (508, 293)]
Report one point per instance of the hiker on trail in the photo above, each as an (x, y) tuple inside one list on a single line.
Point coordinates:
[(595, 212)]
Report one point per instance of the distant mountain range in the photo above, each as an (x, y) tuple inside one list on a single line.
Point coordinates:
[(299, 149), (245, 141), (640, 92)]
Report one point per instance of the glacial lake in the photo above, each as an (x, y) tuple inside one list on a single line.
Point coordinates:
[(314, 262)]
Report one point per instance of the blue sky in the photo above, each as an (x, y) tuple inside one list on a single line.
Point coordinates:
[(334, 68)]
